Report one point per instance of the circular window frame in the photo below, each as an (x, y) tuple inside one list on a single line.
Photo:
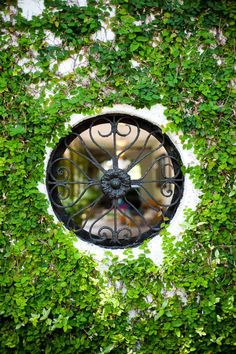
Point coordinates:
[(149, 127)]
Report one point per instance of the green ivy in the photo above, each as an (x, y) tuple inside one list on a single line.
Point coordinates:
[(56, 299)]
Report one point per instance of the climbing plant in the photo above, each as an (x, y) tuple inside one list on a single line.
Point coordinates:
[(56, 299)]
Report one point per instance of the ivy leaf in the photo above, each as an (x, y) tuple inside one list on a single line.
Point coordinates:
[(16, 130), (134, 46), (142, 39), (177, 323), (107, 350), (3, 85)]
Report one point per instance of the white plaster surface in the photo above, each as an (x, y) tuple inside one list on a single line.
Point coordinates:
[(75, 61), (134, 63), (81, 3), (31, 8), (51, 39), (190, 197), (104, 34)]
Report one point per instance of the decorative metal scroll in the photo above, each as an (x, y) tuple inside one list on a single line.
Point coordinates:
[(92, 184)]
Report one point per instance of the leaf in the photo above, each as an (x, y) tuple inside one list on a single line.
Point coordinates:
[(108, 349), (159, 314), (17, 130), (142, 39), (3, 85), (177, 323), (45, 314), (134, 46)]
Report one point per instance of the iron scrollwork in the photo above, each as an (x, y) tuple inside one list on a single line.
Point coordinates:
[(93, 190)]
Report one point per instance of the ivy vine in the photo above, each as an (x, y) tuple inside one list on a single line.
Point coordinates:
[(55, 299)]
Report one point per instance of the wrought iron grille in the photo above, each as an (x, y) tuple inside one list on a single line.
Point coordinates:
[(115, 180)]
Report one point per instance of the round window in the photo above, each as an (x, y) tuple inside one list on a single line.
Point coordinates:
[(115, 180)]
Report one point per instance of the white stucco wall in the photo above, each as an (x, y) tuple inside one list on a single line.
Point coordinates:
[(31, 8)]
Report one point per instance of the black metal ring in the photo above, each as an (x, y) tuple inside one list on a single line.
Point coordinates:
[(114, 184)]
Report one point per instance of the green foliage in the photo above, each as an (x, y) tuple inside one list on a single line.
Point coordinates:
[(53, 298)]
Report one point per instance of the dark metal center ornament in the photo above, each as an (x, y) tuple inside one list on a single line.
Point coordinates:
[(115, 183)]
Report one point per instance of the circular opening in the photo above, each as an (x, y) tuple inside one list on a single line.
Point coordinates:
[(114, 180)]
